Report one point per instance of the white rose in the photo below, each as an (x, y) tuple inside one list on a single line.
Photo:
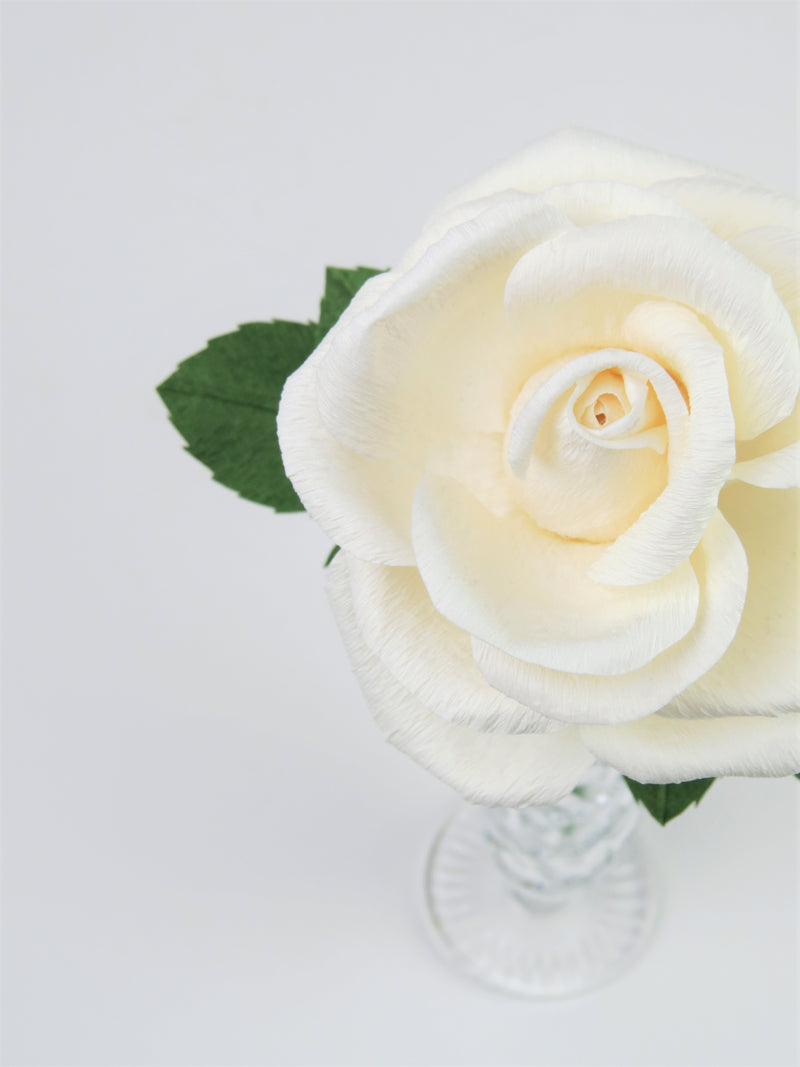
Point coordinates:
[(558, 446)]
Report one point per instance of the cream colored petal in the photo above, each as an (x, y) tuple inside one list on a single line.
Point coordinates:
[(363, 504), (775, 470), (584, 484), (477, 462), (527, 592), (671, 527), (760, 672), (583, 202), (610, 267), (429, 655), (434, 356), (729, 206), (492, 769), (657, 750), (721, 567), (771, 460), (574, 155)]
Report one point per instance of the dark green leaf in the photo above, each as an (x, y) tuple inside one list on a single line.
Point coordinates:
[(331, 555), (224, 402), (341, 285), (664, 802)]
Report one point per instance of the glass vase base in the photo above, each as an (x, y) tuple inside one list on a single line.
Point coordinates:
[(508, 936)]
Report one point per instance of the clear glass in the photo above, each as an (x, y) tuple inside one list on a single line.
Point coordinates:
[(546, 901)]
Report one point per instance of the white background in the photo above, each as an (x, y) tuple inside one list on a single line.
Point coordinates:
[(210, 855)]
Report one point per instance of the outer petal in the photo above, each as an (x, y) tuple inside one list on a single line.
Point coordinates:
[(363, 504), (526, 591), (583, 202), (729, 205), (675, 750), (434, 356), (674, 260), (574, 155), (486, 768), (775, 470), (671, 528), (773, 459), (427, 654), (760, 672), (721, 567)]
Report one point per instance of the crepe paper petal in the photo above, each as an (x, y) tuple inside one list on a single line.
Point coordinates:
[(582, 202), (771, 460), (728, 206), (776, 470), (721, 568), (527, 591), (575, 155), (760, 672), (430, 656), (592, 484), (477, 461), (671, 527), (434, 356), (363, 504), (679, 261), (486, 768), (657, 749)]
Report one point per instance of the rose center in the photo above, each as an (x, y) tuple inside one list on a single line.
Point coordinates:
[(587, 443)]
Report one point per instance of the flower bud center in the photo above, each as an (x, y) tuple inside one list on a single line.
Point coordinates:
[(587, 443)]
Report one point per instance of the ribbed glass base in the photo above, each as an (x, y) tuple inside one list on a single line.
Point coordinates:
[(546, 901)]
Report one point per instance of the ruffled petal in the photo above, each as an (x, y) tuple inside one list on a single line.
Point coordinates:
[(771, 460), (434, 356), (657, 750), (575, 155), (527, 591), (594, 276), (729, 205), (721, 567), (671, 527), (775, 470), (491, 769), (760, 672), (427, 654), (362, 504)]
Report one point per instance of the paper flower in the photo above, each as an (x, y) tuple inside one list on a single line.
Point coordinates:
[(557, 444)]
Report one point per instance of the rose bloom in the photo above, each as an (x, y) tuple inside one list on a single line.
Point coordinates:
[(558, 447)]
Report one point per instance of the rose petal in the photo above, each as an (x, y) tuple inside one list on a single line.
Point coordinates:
[(760, 672), (606, 269), (477, 462), (499, 769), (526, 591), (363, 504), (574, 155), (771, 460), (721, 567), (669, 530), (427, 654), (657, 750), (729, 205), (589, 485), (434, 356)]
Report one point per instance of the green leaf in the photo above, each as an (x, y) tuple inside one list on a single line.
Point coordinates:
[(224, 402), (331, 555), (341, 285), (664, 802)]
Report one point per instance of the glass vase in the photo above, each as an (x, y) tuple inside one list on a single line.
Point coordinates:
[(545, 901)]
